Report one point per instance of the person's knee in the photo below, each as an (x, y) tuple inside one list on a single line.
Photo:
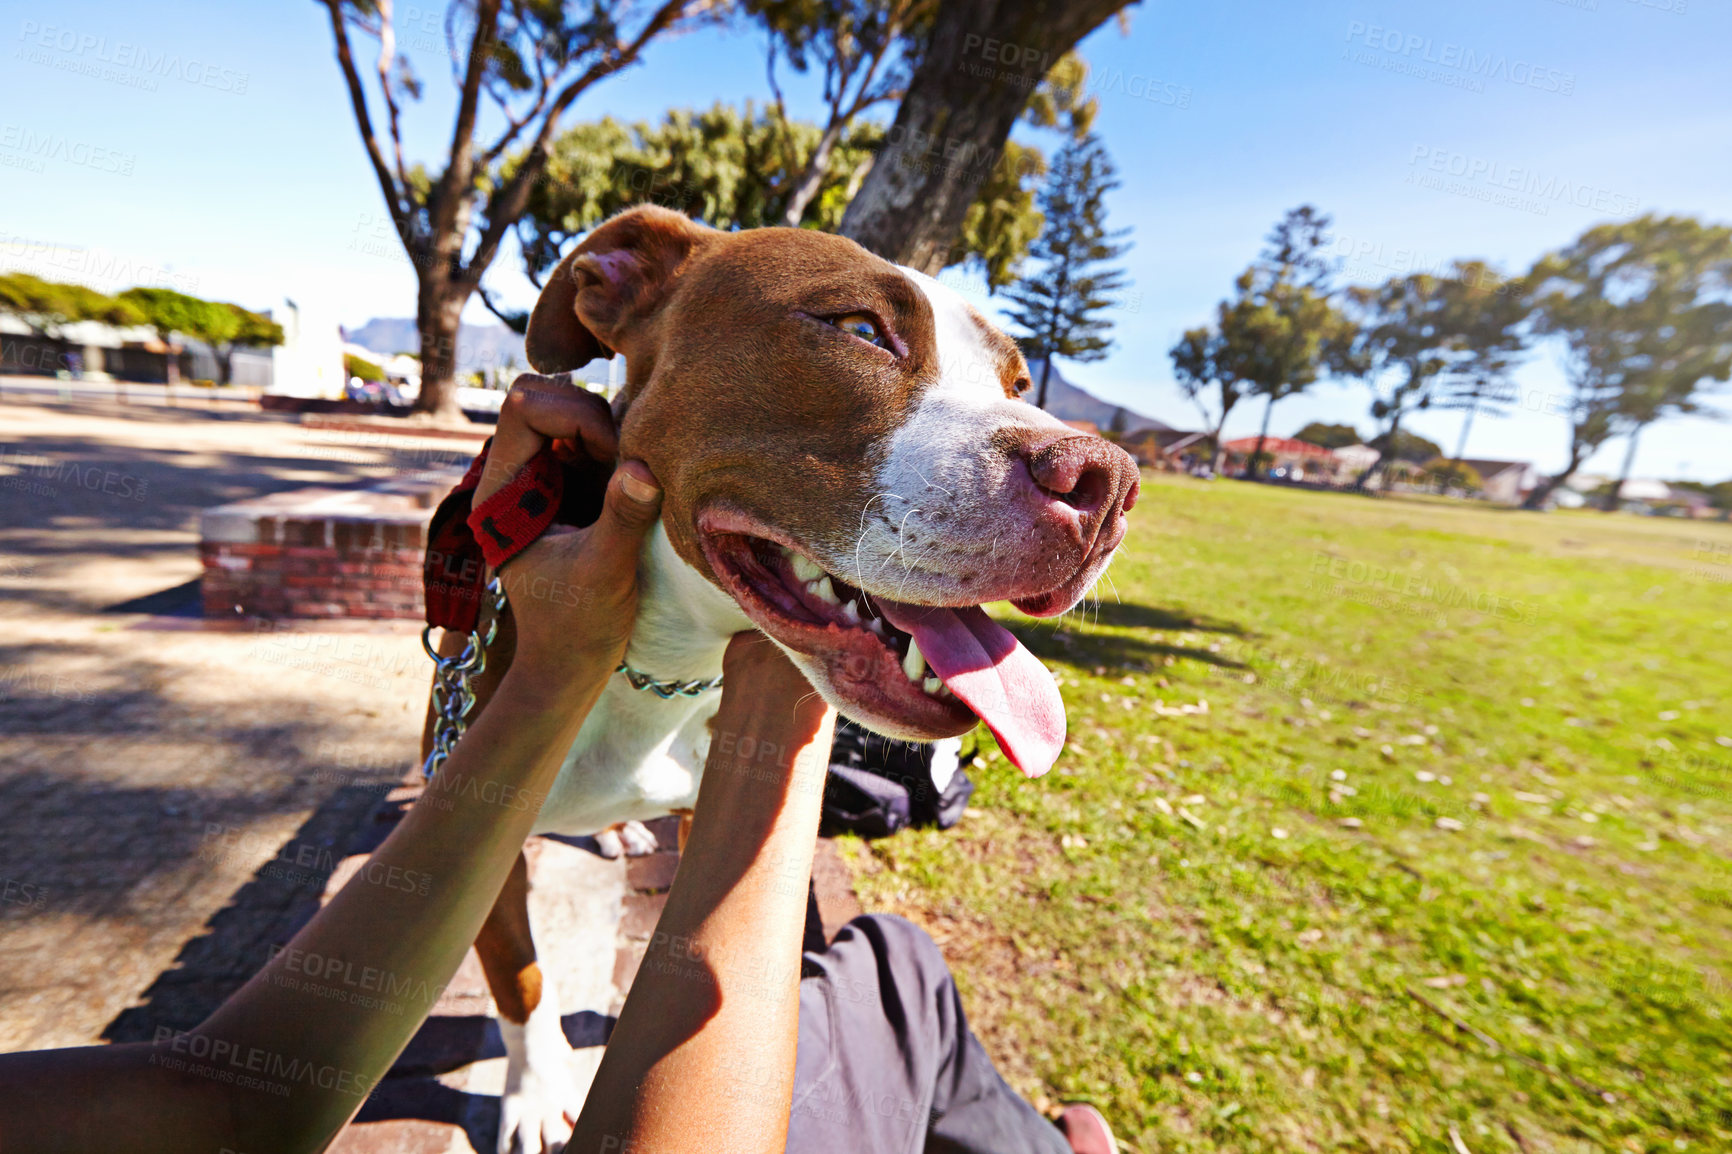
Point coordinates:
[(906, 959)]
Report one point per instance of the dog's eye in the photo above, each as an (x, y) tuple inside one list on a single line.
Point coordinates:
[(863, 326)]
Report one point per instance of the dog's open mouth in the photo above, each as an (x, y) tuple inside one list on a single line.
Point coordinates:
[(919, 672)]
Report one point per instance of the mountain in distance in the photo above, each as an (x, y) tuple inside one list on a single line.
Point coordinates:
[(1069, 402), (486, 346), (478, 346)]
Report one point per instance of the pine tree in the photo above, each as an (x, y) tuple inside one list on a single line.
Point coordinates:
[(1058, 306)]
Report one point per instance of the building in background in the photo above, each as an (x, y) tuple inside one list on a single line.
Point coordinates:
[(309, 362)]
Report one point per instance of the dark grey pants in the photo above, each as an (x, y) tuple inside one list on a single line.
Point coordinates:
[(886, 1061)]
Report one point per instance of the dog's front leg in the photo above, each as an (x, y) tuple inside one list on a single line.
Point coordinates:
[(541, 1100)]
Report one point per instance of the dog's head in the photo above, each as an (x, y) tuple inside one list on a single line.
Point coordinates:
[(843, 451)]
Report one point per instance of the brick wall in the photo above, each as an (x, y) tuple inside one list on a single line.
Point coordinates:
[(321, 553)]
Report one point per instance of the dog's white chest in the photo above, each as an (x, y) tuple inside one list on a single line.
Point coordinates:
[(638, 755)]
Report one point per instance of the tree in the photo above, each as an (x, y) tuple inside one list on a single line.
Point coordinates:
[(251, 330), (1406, 339), (168, 312), (1059, 306), (862, 48), (529, 59), (1413, 448), (1447, 473), (1283, 328), (1488, 315), (982, 61), (1643, 307), (49, 306), (1205, 359), (1328, 436), (736, 168)]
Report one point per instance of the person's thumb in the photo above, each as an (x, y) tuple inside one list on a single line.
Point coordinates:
[(632, 504)]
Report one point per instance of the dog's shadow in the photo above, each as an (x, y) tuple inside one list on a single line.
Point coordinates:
[(412, 1093)]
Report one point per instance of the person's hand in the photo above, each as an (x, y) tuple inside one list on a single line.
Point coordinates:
[(573, 593)]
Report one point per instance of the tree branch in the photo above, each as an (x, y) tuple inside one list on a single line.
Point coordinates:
[(457, 182), (507, 204), (387, 54), (517, 322), (395, 197)]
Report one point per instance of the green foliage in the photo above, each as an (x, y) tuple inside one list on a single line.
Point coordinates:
[(1328, 436), (1446, 340), (354, 366), (1195, 924), (729, 167), (1719, 495), (1277, 333), (255, 329), (1059, 306), (168, 311), (1003, 222), (1447, 474), (48, 306), (1405, 447), (1645, 309), (737, 168)]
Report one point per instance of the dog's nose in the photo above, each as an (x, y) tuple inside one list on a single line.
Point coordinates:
[(1091, 475)]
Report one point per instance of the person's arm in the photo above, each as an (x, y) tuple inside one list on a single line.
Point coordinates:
[(703, 1055), (277, 1068)]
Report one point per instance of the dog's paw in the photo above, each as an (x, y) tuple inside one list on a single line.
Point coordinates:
[(632, 838), (534, 1120), (541, 1100)]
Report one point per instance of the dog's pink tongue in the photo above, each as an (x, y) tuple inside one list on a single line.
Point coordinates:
[(993, 675)]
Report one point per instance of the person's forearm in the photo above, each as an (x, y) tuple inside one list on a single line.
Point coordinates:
[(407, 918), (279, 1067), (703, 1055)]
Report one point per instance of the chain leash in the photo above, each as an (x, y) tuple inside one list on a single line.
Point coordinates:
[(453, 695), (666, 690)]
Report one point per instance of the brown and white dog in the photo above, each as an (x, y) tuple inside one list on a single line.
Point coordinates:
[(847, 466)]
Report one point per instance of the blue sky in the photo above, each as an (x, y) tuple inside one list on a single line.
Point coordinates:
[(1429, 130)]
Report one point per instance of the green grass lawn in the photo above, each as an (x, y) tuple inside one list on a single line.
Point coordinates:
[(1384, 825)]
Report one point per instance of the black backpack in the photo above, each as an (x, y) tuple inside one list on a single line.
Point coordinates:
[(878, 785)]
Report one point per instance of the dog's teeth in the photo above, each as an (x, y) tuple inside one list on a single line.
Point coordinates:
[(932, 685), (944, 690), (805, 569), (823, 591), (913, 664), (876, 626), (850, 613)]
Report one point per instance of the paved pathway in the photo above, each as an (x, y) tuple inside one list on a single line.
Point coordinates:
[(175, 798)]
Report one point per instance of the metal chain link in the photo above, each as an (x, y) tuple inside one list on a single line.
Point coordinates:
[(453, 696), (667, 689)]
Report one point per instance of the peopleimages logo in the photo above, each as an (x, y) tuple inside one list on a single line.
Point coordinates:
[(1542, 190), (95, 56), (1460, 65)]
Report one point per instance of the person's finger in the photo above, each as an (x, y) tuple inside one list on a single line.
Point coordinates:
[(538, 410), (632, 504)]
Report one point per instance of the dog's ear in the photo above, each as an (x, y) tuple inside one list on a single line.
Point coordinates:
[(608, 286)]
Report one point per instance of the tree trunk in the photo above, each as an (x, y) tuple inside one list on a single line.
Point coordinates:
[(1579, 450), (1045, 372), (1629, 462), (982, 62), (223, 355), (438, 313), (1383, 454), (1466, 424), (813, 178), (1216, 459), (1256, 462)]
